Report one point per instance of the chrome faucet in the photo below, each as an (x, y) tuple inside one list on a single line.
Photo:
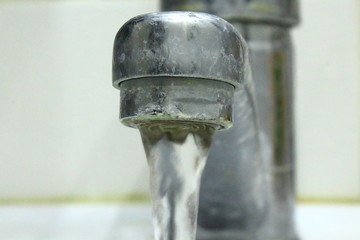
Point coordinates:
[(177, 73), (252, 196)]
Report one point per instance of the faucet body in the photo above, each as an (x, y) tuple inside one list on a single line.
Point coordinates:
[(177, 73), (247, 189)]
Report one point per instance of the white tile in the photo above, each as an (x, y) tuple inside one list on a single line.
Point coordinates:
[(327, 99), (60, 133), (63, 222)]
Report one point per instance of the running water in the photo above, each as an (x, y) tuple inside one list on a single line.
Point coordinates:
[(176, 155)]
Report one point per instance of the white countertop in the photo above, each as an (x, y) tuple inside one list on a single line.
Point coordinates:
[(110, 222)]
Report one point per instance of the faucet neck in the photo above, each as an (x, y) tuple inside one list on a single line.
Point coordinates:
[(278, 12)]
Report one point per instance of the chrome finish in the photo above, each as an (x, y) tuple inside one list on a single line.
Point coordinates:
[(284, 12), (176, 99), (178, 66), (252, 196), (181, 44)]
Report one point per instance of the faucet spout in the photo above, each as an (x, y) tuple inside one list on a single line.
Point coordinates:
[(178, 73)]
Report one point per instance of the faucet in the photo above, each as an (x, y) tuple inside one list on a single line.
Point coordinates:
[(177, 73), (253, 196)]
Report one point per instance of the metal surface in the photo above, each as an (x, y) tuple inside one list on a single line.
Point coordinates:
[(255, 192), (284, 12), (252, 196), (181, 44), (178, 66), (167, 99)]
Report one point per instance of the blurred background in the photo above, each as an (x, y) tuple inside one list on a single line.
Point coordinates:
[(60, 138)]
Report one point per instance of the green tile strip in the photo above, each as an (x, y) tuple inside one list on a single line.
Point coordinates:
[(121, 199), (138, 198), (334, 201)]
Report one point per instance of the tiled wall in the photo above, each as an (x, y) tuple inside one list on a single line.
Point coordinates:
[(327, 106), (59, 133)]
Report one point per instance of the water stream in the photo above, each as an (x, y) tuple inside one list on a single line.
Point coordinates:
[(176, 155)]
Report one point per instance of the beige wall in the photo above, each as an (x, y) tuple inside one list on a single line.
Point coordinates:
[(327, 106), (59, 133)]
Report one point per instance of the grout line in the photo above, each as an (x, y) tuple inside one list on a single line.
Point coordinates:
[(135, 199), (334, 201), (111, 200), (71, 1), (35, 1)]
